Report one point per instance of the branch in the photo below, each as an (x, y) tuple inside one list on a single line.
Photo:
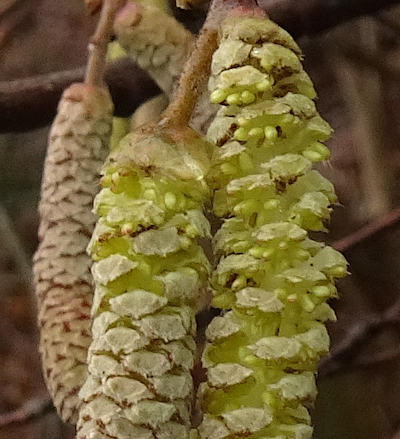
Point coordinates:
[(31, 103), (308, 17), (26, 104), (344, 354), (33, 408), (99, 41), (390, 220)]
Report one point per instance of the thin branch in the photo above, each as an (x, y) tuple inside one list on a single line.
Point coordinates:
[(32, 409), (98, 43), (93, 6), (197, 67), (344, 355), (31, 103), (385, 223), (308, 17), (193, 76), (26, 104)]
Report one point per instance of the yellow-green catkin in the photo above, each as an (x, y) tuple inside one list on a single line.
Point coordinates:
[(272, 281), (149, 272)]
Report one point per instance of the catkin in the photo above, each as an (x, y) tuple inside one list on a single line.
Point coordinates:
[(149, 272), (272, 280), (155, 40), (78, 144)]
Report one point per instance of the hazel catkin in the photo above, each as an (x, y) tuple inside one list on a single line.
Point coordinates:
[(150, 273), (78, 144), (272, 280)]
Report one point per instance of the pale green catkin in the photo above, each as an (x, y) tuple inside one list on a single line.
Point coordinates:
[(78, 144), (155, 40), (272, 281), (150, 273)]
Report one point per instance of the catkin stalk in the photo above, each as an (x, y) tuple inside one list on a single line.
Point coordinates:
[(78, 144), (272, 280)]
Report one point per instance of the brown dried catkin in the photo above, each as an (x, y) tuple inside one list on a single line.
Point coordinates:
[(78, 145)]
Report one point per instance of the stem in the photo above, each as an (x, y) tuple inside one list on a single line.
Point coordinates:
[(196, 69), (99, 41), (194, 74)]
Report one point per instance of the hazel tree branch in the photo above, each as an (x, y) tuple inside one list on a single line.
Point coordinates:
[(345, 354), (26, 104), (31, 103), (308, 17), (98, 43), (392, 219)]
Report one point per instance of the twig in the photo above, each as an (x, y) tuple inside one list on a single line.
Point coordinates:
[(98, 43), (33, 408), (390, 220), (192, 78), (308, 17), (30, 103), (196, 68), (344, 354), (26, 104), (93, 6)]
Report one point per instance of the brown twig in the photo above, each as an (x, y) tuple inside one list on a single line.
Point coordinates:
[(12, 243), (308, 17), (390, 220), (26, 104), (31, 103), (33, 408), (197, 67), (98, 43), (192, 78), (344, 355)]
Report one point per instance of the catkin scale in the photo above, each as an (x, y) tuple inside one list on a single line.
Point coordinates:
[(78, 145), (272, 281), (150, 273)]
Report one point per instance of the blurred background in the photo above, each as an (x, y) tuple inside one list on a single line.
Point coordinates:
[(356, 70)]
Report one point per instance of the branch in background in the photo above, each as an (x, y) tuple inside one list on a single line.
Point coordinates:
[(390, 220), (33, 408), (31, 103), (308, 17), (96, 64), (344, 355)]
